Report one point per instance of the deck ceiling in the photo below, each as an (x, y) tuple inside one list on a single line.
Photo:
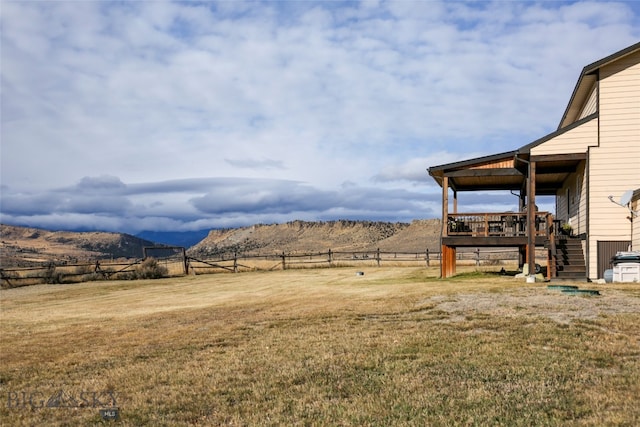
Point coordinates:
[(551, 173), (485, 179)]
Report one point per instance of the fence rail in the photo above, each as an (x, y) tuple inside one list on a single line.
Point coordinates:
[(182, 264)]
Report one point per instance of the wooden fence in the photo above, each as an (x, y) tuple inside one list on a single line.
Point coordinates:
[(53, 273), (182, 264)]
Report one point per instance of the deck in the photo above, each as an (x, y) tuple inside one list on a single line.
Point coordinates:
[(506, 229)]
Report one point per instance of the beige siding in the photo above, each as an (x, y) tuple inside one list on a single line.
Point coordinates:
[(576, 140), (571, 201), (591, 105), (614, 165)]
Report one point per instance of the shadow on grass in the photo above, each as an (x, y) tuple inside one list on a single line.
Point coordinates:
[(485, 274)]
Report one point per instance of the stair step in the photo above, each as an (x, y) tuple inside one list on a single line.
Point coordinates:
[(561, 260), (570, 267), (570, 262), (582, 272), (571, 270), (582, 278)]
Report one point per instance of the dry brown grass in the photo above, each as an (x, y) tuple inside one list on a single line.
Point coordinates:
[(395, 346)]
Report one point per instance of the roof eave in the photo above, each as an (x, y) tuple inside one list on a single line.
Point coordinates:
[(469, 162), (593, 69)]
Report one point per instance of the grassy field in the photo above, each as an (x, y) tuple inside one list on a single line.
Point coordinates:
[(395, 346)]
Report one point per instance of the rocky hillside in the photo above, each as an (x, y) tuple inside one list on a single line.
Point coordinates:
[(24, 246), (302, 236)]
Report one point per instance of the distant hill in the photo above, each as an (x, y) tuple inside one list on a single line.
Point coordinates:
[(174, 238), (25, 246), (303, 236)]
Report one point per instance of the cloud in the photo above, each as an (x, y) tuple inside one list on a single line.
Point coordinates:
[(255, 164), (85, 198), (107, 202), (101, 183), (416, 169)]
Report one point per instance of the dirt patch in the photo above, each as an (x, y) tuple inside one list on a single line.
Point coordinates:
[(539, 302)]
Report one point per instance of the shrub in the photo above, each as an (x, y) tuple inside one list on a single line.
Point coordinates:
[(53, 277), (84, 269), (150, 269)]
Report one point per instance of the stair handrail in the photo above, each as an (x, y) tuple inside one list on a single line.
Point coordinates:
[(551, 270)]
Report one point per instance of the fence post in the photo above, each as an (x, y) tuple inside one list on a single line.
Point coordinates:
[(477, 257), (235, 261), (427, 256), (4, 277), (284, 262), (185, 262), (378, 256), (330, 258), (99, 270)]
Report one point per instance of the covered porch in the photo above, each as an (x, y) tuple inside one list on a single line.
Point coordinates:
[(526, 228)]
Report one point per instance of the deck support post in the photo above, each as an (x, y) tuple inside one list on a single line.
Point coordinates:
[(445, 206), (447, 261), (531, 218), (455, 201)]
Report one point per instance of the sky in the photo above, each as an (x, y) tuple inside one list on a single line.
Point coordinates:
[(179, 116)]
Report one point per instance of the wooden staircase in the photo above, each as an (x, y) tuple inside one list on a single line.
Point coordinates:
[(570, 263)]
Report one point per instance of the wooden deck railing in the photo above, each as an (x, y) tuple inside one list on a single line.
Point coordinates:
[(507, 224)]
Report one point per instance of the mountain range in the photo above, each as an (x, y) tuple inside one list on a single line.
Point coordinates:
[(174, 238)]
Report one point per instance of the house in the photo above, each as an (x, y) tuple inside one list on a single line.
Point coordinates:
[(593, 154)]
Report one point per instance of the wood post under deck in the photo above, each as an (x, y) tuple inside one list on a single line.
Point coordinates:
[(531, 218), (445, 264), (448, 261), (448, 254), (445, 205)]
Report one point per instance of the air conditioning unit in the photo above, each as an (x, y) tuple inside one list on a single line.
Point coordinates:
[(626, 267)]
